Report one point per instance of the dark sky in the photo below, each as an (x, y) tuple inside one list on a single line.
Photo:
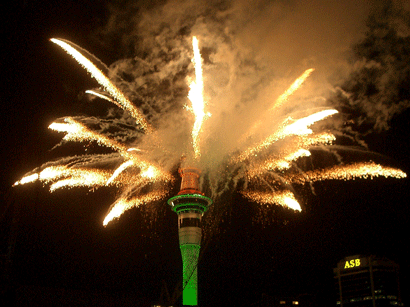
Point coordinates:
[(62, 251)]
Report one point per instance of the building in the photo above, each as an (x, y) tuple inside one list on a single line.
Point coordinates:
[(367, 281), (282, 301)]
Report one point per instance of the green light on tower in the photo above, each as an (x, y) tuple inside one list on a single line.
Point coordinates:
[(190, 205)]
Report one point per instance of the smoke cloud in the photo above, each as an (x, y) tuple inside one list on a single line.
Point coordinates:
[(252, 51), (378, 87)]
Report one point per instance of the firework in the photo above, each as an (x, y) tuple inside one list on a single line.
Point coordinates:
[(278, 163), (280, 100), (269, 162), (104, 81), (293, 88), (282, 198), (298, 127), (196, 96), (78, 132), (348, 172), (123, 204), (63, 176)]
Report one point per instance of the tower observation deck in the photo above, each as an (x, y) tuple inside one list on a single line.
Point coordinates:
[(190, 205)]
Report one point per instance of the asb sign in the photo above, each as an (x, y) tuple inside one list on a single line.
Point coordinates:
[(353, 263)]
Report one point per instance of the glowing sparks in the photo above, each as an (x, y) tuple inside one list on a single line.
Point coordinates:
[(281, 100), (323, 138), (91, 92), (348, 172), (82, 178), (105, 82), (26, 179), (120, 169), (269, 162), (294, 150), (63, 176), (123, 205), (279, 164), (78, 132), (299, 128), (282, 198), (293, 88), (55, 173), (196, 96), (150, 172)]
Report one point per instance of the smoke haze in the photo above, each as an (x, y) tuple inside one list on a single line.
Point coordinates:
[(251, 54), (252, 51)]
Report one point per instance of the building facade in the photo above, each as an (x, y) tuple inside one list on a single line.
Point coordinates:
[(367, 281), (282, 301)]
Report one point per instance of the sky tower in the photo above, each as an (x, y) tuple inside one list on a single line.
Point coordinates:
[(190, 204)]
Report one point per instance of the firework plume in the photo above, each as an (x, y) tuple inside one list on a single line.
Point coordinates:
[(264, 154)]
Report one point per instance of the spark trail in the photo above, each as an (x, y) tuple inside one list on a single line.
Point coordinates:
[(293, 88), (348, 172), (142, 169), (196, 96), (281, 100), (104, 81)]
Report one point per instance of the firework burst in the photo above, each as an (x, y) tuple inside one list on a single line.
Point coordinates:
[(142, 160)]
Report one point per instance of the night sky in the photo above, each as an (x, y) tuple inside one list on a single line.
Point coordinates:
[(64, 256)]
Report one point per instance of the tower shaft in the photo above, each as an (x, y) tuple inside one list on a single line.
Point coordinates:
[(190, 254)]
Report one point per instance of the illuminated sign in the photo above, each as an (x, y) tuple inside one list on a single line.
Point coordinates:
[(354, 263)]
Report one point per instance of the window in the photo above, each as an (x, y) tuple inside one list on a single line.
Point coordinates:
[(355, 299)]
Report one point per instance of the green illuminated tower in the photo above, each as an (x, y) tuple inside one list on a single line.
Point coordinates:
[(190, 204)]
